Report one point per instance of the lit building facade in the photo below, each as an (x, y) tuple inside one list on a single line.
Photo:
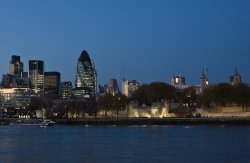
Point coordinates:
[(52, 83), (129, 87), (82, 92), (86, 76), (36, 75), (66, 90), (15, 98)]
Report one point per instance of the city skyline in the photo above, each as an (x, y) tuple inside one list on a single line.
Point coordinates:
[(153, 40), (85, 61)]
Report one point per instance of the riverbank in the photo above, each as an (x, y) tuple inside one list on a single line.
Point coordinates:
[(146, 121), (155, 121)]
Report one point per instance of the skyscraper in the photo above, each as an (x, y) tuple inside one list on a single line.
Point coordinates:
[(86, 73), (66, 90), (52, 83), (16, 66), (36, 75)]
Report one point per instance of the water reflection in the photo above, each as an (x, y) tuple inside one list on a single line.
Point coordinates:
[(124, 144)]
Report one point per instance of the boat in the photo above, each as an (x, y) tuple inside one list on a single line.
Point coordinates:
[(33, 122)]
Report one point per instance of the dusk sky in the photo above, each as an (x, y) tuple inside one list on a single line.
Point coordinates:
[(154, 39)]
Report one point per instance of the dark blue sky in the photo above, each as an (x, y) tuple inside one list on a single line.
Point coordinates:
[(154, 39)]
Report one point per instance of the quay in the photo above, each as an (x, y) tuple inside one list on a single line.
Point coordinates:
[(146, 121), (155, 121)]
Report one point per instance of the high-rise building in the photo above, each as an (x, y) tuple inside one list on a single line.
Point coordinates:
[(14, 79), (66, 90), (129, 87), (36, 75), (86, 74), (112, 87), (52, 83), (235, 78), (16, 66)]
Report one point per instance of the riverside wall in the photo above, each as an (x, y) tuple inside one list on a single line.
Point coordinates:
[(147, 121), (156, 121)]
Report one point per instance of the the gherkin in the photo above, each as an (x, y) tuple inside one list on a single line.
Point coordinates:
[(86, 73)]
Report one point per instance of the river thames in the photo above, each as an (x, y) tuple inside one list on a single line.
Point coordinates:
[(170, 143)]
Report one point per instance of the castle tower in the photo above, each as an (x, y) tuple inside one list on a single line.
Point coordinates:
[(235, 78), (203, 80)]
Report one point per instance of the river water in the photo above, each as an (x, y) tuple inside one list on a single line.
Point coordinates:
[(177, 143)]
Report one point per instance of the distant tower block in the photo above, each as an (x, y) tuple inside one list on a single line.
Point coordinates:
[(66, 90), (52, 81), (203, 80), (235, 78), (112, 87), (16, 66), (36, 75), (130, 86)]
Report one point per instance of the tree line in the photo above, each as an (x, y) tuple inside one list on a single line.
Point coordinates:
[(225, 94), (222, 94), (159, 91)]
